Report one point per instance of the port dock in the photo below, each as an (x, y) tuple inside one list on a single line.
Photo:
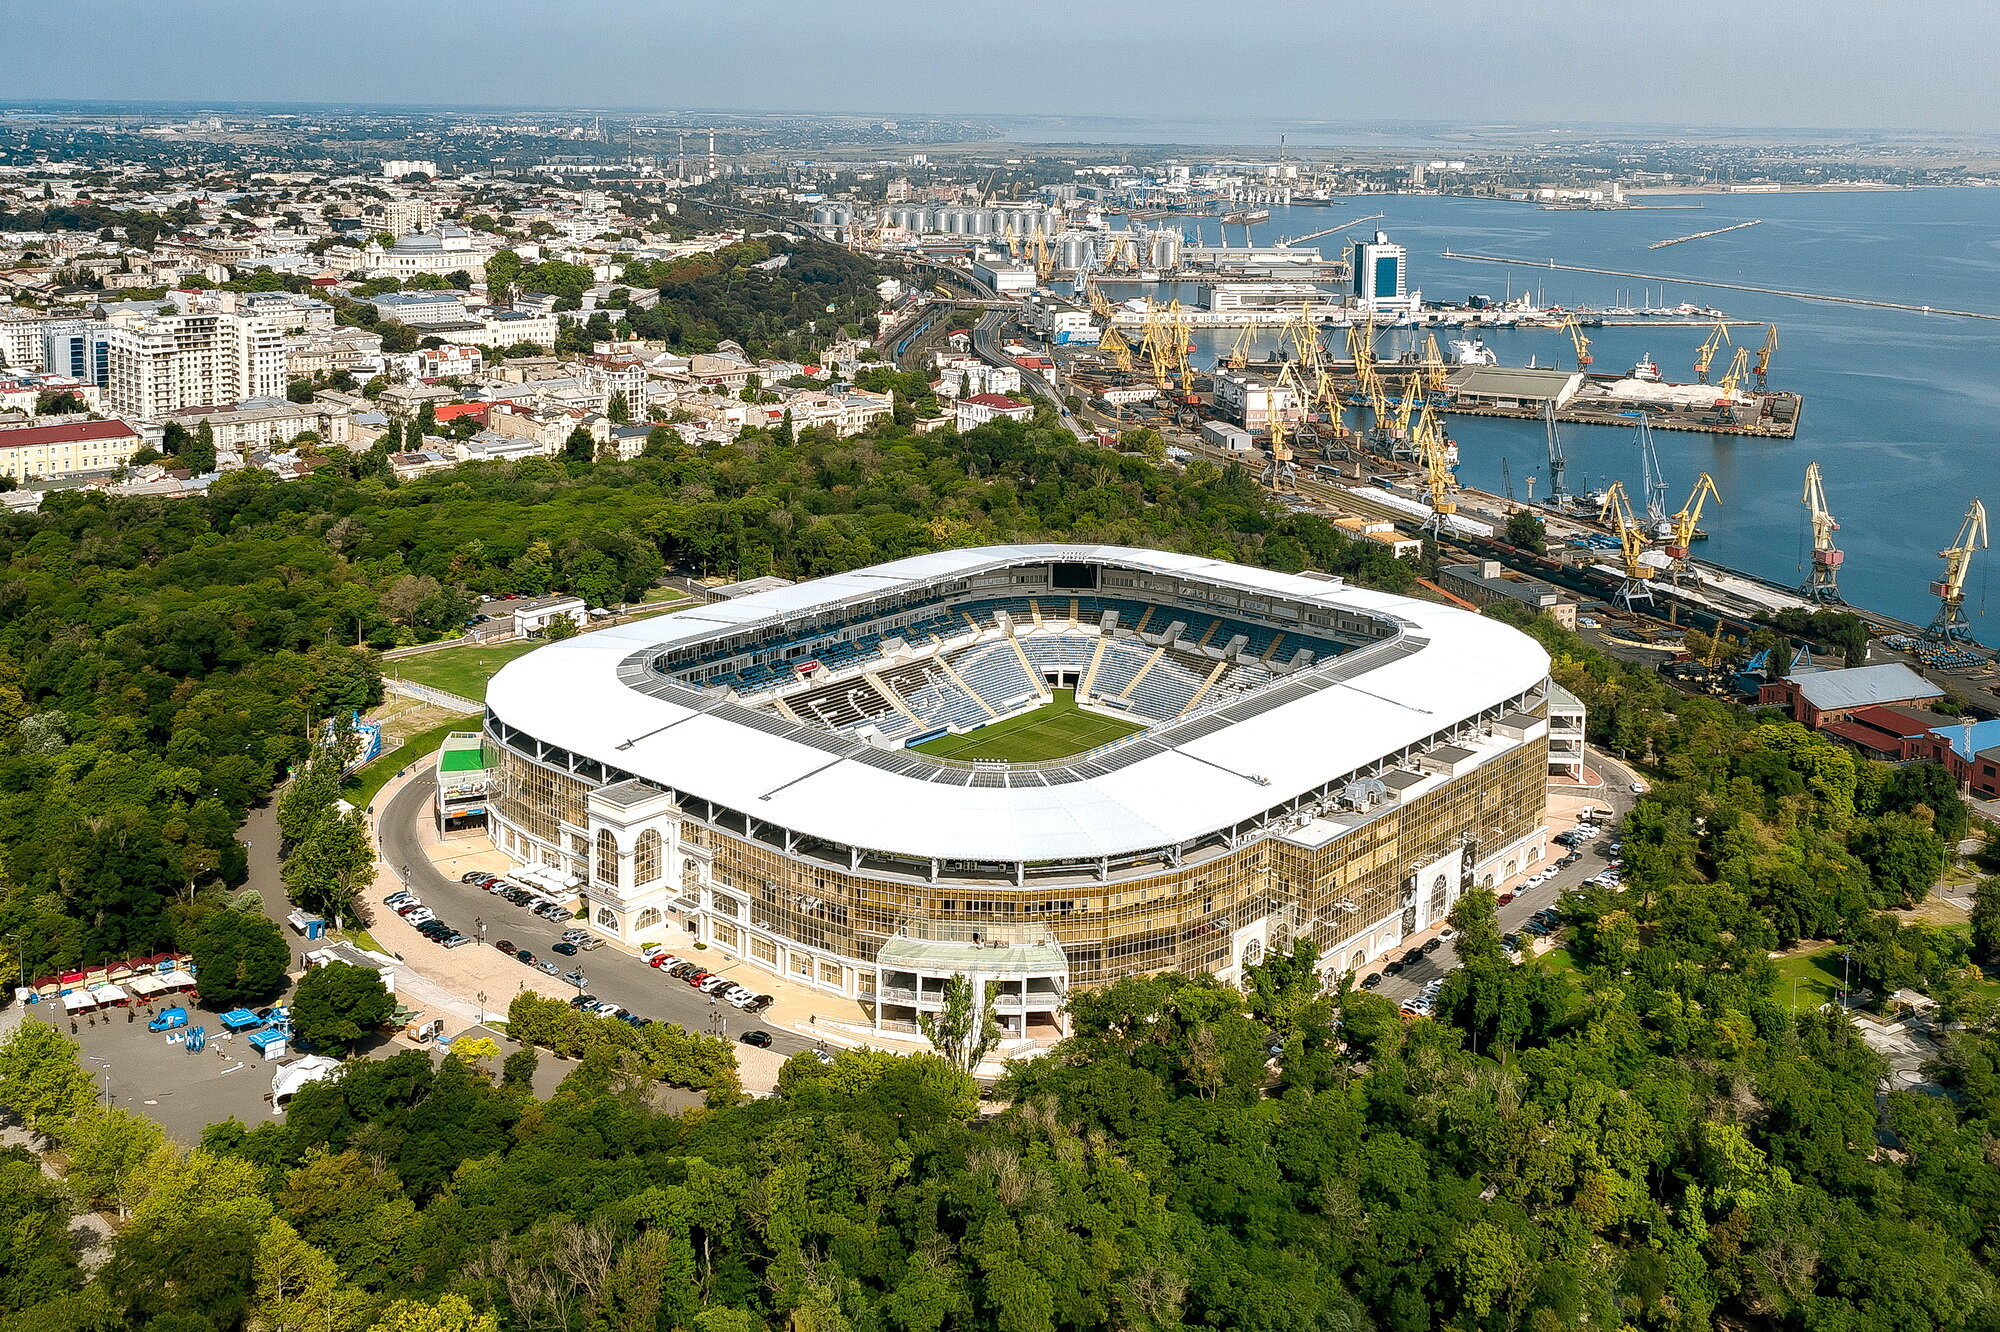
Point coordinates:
[(1704, 235)]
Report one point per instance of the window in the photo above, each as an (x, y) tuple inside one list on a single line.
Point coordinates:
[(607, 918), (646, 859), (607, 859), (649, 918)]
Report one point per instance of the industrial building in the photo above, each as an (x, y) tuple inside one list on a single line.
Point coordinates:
[(1293, 758)]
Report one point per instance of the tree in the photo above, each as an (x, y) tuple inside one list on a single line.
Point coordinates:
[(450, 1313), (960, 1036), (241, 956), (1526, 530), (1475, 917), (337, 1005), (37, 1254), (619, 409), (299, 1288), (1986, 920), (40, 1079), (559, 627), (326, 870), (579, 447), (111, 1156), (197, 451)]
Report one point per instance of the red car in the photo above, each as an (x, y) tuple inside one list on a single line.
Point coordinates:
[(1505, 898)]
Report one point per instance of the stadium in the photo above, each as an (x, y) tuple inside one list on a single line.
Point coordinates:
[(1035, 766)]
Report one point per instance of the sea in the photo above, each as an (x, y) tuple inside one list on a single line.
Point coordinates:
[(1900, 407)]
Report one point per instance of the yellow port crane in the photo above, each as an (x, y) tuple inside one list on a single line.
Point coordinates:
[(1763, 366), (1733, 377), (1434, 453), (1687, 525), (1239, 351), (1100, 304), (1717, 338), (1281, 470), (1045, 258), (1435, 371), (1949, 625), (1617, 510), (1823, 582), (1114, 346), (1582, 343)]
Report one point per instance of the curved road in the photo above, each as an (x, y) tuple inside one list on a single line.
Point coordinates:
[(623, 979)]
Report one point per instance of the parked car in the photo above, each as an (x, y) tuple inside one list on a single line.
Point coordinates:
[(760, 1003), (472, 876), (548, 968), (1393, 969), (1433, 945), (396, 899), (456, 941), (566, 949), (1504, 898), (583, 1001), (525, 957), (590, 944), (574, 936), (506, 946), (760, 1039), (1371, 980), (663, 960)]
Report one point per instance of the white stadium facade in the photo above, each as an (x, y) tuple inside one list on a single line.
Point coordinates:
[(1310, 760)]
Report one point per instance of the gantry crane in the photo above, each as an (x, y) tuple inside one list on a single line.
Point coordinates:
[(1717, 338), (1617, 511), (1687, 526), (1433, 452), (1949, 625), (1582, 343), (1114, 346), (1764, 353), (1655, 477), (1823, 582), (1559, 495), (1733, 377), (1280, 472)]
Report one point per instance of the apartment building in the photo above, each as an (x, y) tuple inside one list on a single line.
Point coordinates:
[(210, 349)]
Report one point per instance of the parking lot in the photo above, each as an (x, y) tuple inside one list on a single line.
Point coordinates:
[(434, 871), (1412, 979)]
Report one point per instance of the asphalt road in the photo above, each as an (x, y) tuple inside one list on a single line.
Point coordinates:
[(619, 977), (1617, 795)]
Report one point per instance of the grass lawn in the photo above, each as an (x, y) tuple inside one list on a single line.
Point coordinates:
[(360, 788), (1816, 976), (461, 670), (1056, 730)]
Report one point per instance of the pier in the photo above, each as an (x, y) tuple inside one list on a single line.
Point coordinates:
[(1723, 286), (1704, 235)]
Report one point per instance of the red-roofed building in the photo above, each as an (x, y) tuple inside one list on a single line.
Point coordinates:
[(65, 450), (983, 407), (453, 411)]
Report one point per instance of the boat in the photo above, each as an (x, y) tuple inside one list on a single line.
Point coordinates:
[(1647, 369), (1475, 352)]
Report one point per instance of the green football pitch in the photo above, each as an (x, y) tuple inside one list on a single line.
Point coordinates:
[(1055, 731)]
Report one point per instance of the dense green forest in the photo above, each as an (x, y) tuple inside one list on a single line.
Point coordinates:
[(161, 661)]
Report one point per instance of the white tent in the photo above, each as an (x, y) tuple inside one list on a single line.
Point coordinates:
[(79, 1001), (108, 993), (146, 984)]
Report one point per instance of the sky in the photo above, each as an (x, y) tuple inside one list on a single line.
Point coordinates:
[(1917, 64)]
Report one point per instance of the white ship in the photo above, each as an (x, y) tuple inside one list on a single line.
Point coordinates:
[(1475, 352)]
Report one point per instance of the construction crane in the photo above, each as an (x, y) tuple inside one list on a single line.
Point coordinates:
[(1764, 353), (1559, 496), (1687, 525), (1717, 338), (1582, 343), (1949, 625), (1617, 511), (1823, 582)]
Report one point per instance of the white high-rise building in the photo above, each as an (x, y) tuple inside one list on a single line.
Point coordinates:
[(1382, 277), (216, 349)]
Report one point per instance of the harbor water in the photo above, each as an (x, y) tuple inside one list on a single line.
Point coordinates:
[(1900, 408)]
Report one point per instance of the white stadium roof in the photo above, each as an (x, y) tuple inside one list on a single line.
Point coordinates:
[(1445, 665)]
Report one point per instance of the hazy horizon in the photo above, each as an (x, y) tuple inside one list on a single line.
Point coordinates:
[(1828, 65)]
